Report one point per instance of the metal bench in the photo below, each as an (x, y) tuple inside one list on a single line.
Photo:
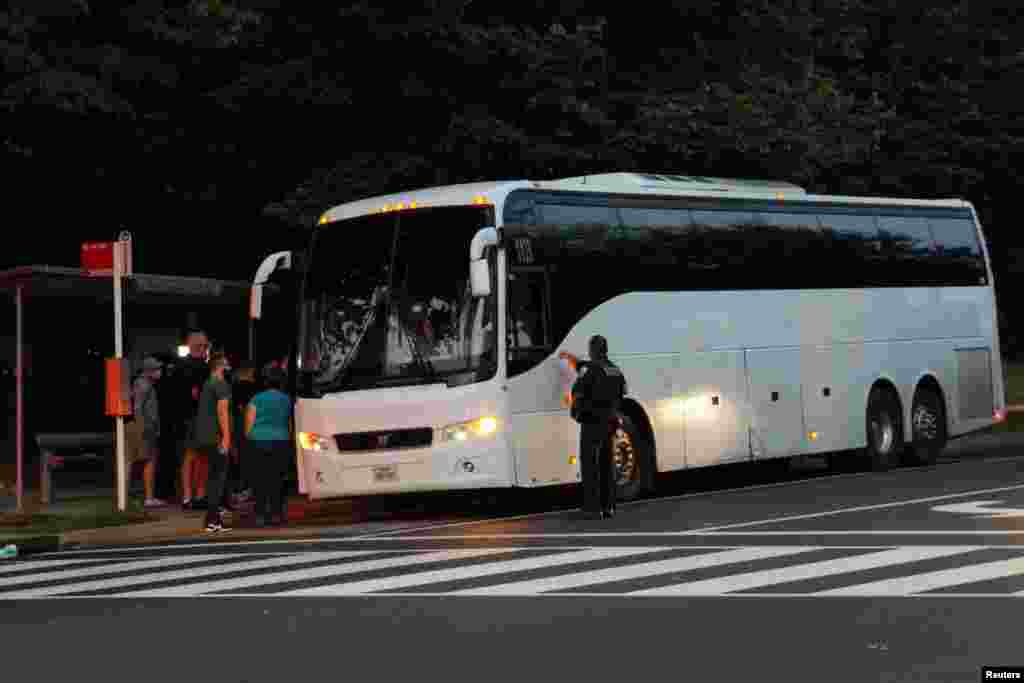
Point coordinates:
[(48, 459)]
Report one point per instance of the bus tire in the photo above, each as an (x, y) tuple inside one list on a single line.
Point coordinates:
[(633, 460), (928, 427), (884, 429)]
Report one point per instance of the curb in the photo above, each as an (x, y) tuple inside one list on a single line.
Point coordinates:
[(30, 545)]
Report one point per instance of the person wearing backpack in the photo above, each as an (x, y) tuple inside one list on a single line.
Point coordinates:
[(596, 398)]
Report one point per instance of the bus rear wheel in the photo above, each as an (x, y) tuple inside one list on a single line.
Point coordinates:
[(884, 431), (632, 460), (928, 428)]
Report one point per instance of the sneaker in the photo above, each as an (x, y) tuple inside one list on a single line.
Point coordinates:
[(186, 504), (216, 527), (198, 504), (154, 503)]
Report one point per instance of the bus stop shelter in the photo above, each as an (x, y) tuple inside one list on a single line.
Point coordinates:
[(27, 283)]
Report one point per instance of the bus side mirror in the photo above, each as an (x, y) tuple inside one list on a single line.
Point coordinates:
[(480, 277), (479, 269), (282, 260)]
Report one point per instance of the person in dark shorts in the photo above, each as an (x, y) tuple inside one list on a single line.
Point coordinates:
[(212, 436), (268, 422), (243, 388), (192, 375)]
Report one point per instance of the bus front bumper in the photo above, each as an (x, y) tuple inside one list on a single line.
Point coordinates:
[(484, 463)]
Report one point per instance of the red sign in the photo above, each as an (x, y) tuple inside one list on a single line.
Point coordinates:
[(98, 257)]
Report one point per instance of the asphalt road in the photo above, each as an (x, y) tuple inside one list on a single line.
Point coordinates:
[(731, 575)]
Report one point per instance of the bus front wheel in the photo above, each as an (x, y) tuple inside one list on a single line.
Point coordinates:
[(884, 431), (632, 459)]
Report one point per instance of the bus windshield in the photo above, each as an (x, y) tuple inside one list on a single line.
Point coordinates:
[(387, 303)]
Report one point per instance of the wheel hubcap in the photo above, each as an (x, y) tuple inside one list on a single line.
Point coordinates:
[(884, 433), (623, 455), (926, 424)]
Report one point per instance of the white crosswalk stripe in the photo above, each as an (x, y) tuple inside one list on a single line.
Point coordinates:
[(633, 571), (192, 572), (502, 571), (812, 570), (317, 572), (475, 571), (928, 581), (26, 565), (111, 567)]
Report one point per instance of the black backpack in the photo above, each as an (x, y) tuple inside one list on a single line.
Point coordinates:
[(582, 409)]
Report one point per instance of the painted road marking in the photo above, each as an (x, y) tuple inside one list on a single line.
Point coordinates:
[(633, 571), (812, 570), (192, 572), (345, 573), (981, 507), (475, 571), (944, 578), (317, 572)]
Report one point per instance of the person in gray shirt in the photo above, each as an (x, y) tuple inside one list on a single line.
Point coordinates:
[(143, 431)]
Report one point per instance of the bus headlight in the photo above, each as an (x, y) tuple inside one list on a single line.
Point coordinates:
[(313, 442), (481, 428)]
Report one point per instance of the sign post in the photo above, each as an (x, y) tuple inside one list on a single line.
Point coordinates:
[(19, 399), (122, 479), (100, 259), (122, 266)]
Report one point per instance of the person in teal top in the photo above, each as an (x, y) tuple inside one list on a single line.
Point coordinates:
[(268, 423)]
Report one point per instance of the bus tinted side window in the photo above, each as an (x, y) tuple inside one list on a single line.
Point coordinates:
[(855, 250), (793, 250), (725, 250), (575, 240), (958, 256), (907, 251), (654, 246)]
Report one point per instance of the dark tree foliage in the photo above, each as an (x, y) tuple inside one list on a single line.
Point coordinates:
[(217, 129)]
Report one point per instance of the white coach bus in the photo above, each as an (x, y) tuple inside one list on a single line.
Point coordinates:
[(752, 321)]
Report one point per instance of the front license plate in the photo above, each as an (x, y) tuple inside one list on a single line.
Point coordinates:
[(385, 473)]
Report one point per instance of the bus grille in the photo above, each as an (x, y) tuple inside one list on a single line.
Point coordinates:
[(386, 440)]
